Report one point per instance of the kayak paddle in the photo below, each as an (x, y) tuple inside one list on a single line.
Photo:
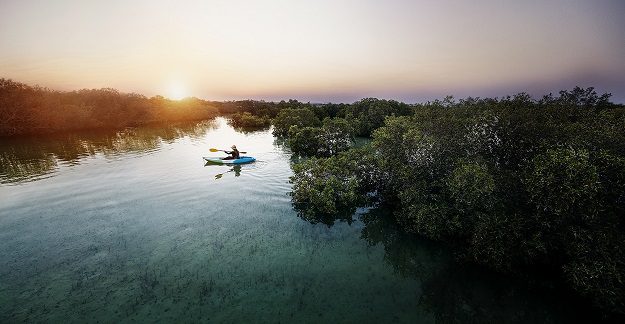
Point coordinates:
[(216, 150)]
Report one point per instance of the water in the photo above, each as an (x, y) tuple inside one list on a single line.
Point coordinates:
[(132, 226)]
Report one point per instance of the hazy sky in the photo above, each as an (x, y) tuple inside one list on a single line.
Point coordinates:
[(320, 51)]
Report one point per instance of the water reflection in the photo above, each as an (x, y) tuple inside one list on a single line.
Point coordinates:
[(461, 293), (236, 169), (407, 254), (342, 215), (31, 158), (250, 130)]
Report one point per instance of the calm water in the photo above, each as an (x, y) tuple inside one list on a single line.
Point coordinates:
[(132, 226)]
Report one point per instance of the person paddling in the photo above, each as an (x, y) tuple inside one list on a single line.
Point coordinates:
[(234, 154)]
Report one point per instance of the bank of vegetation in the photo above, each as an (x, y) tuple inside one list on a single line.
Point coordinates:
[(28, 109), (534, 188)]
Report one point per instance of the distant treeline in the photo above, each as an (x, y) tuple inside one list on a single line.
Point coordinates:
[(28, 109)]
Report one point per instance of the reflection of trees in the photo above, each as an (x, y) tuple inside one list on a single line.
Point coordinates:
[(18, 169), (407, 254), (326, 219), (26, 158), (460, 293), (251, 129)]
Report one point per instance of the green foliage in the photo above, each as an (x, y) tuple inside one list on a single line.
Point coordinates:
[(305, 141), (611, 171), (471, 188), (368, 114), (329, 110), (247, 120), (256, 108), (596, 266), (471, 197), (500, 241), (334, 136), (563, 184), (324, 190), (294, 117)]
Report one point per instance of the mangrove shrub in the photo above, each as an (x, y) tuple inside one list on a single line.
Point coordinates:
[(334, 136), (293, 117)]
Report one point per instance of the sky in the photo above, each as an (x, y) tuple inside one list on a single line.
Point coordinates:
[(318, 51)]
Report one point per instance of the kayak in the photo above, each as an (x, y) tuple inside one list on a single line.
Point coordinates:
[(240, 160)]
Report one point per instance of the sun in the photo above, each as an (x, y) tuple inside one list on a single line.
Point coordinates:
[(177, 90)]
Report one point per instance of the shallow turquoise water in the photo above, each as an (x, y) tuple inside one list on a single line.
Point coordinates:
[(132, 226)]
